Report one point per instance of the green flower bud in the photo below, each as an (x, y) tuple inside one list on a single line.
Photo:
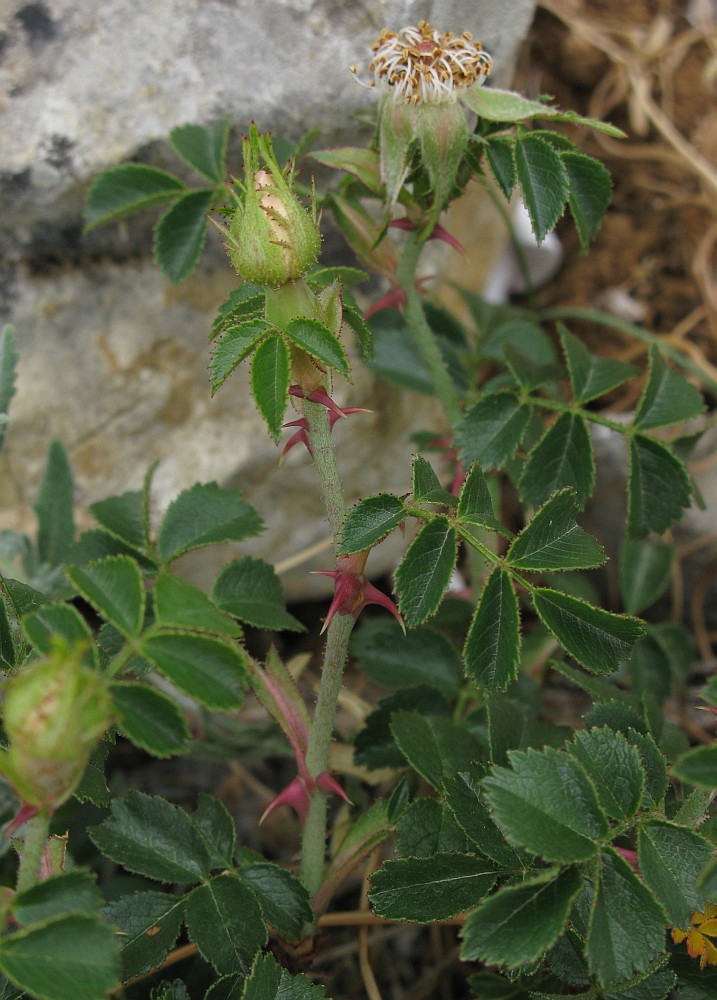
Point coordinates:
[(273, 239), (55, 710)]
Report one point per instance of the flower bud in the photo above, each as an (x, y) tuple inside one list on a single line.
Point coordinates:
[(55, 711), (424, 75), (273, 239)]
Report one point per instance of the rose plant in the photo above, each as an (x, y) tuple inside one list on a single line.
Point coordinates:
[(566, 854)]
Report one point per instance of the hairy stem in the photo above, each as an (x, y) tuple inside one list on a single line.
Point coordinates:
[(427, 345), (325, 460), (335, 654), (37, 830), (317, 757)]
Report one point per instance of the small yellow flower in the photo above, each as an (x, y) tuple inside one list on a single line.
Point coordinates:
[(701, 936)]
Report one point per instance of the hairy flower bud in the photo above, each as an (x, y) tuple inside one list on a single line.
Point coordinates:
[(55, 711), (423, 75), (273, 239)]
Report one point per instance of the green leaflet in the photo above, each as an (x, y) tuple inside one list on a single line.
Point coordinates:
[(250, 590), (698, 767), (627, 925), (8, 366), (650, 505), (543, 180), (553, 540), (425, 571), (233, 346), (150, 923), (433, 745), (671, 861), (270, 369), (203, 148), (499, 152), (562, 457), (644, 572), (426, 486), (318, 341), (180, 234), (426, 828), (284, 901), (590, 191), (492, 648), (375, 746), (519, 923), (463, 798), (150, 836), (113, 586), (128, 188), (44, 626), (615, 768), (428, 889), (225, 922), (668, 398), (475, 505), (150, 719), (217, 826), (269, 981), (73, 891), (210, 670), (591, 376), (205, 514), (178, 604), (392, 659), (370, 521), (598, 639), (498, 105), (54, 507), (123, 516), (491, 430), (546, 803), (49, 959)]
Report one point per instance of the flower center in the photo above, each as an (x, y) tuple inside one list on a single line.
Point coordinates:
[(420, 64)]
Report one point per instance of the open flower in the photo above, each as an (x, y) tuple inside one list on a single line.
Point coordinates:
[(423, 74), (701, 936)]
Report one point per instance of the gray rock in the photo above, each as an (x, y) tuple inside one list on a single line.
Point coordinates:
[(113, 360)]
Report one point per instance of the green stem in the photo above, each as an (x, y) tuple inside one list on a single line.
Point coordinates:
[(317, 757), (425, 340), (313, 846), (325, 461), (37, 830)]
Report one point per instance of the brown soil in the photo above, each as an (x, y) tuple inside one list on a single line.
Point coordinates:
[(650, 70)]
